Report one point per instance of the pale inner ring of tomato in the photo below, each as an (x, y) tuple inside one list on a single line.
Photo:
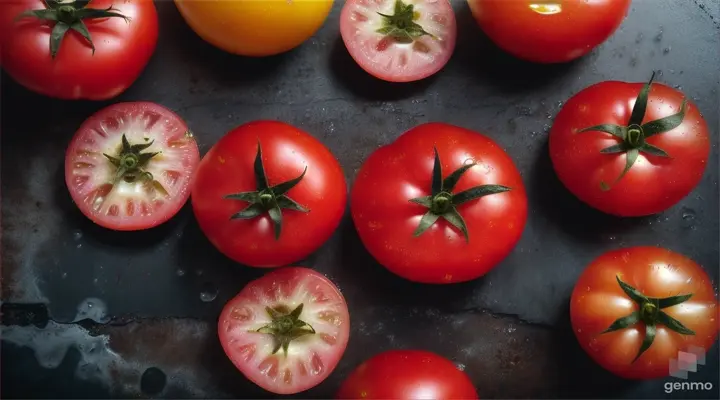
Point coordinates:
[(390, 54)]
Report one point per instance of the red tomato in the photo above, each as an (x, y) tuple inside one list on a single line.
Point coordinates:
[(287, 330), (634, 309), (414, 219), (122, 46), (129, 166), (549, 31), (628, 157), (399, 40), (407, 374), (274, 212)]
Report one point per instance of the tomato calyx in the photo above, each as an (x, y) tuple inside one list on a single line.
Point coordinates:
[(649, 313), (266, 198), (69, 15), (401, 26), (634, 135), (131, 161), (442, 202), (285, 326)]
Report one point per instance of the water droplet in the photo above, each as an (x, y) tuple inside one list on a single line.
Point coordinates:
[(77, 235), (612, 238), (460, 366), (688, 217), (153, 381), (209, 292), (667, 50), (79, 246), (659, 36), (180, 272), (64, 275)]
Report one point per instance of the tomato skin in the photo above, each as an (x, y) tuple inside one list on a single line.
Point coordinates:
[(255, 28), (311, 358), (228, 168), (386, 219), (122, 50), (653, 184), (567, 30), (415, 374), (597, 300)]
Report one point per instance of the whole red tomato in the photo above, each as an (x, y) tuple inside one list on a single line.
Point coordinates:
[(441, 204), (287, 330), (407, 374), (549, 31), (629, 149), (634, 309), (268, 194), (98, 48)]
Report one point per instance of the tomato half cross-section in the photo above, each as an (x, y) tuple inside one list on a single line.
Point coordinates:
[(129, 166), (407, 375), (635, 309), (441, 204), (255, 28), (287, 330), (549, 31), (630, 149), (268, 194), (399, 40), (77, 49)]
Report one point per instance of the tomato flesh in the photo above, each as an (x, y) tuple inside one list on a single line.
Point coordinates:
[(390, 59), (415, 374), (549, 31), (310, 358), (142, 203), (598, 300)]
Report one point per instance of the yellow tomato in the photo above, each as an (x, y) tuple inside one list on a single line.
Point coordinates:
[(255, 27)]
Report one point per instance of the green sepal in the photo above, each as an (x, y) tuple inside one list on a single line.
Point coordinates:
[(634, 135), (441, 203), (285, 328), (624, 322), (266, 198), (401, 26), (650, 331)]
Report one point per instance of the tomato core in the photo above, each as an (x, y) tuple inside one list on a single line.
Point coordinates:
[(285, 326)]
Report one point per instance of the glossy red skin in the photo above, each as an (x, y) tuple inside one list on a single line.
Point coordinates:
[(654, 183), (581, 26), (228, 168), (386, 219), (597, 301), (407, 374), (122, 50)]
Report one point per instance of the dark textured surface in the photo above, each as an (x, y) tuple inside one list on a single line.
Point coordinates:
[(509, 330)]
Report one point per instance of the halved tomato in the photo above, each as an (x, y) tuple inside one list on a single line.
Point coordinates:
[(287, 330), (130, 165), (399, 40)]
